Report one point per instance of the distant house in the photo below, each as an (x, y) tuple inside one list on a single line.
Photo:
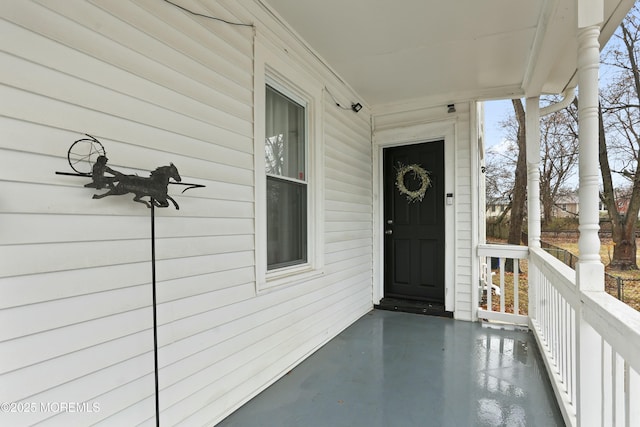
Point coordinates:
[(495, 209), (566, 206), (622, 204)]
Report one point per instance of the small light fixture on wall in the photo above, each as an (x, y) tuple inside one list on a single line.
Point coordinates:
[(355, 106), (451, 108)]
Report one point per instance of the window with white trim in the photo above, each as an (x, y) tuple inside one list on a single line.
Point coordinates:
[(289, 172), (286, 176)]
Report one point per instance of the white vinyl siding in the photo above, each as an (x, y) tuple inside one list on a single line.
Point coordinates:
[(465, 253), (157, 85)]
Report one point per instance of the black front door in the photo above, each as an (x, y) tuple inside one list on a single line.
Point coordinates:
[(414, 247)]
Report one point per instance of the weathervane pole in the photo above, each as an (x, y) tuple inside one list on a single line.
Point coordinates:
[(155, 322), (88, 159)]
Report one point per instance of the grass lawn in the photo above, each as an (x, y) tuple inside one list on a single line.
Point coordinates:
[(630, 279), (606, 252)]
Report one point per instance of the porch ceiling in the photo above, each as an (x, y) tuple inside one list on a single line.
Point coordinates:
[(392, 52)]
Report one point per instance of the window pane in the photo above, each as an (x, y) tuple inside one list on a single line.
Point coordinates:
[(285, 136), (286, 223)]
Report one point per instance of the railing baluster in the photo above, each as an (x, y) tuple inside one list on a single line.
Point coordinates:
[(556, 325), (562, 332), (574, 371), (608, 385), (552, 317), (633, 396), (489, 285), (516, 275), (545, 304), (556, 321), (618, 392), (502, 290)]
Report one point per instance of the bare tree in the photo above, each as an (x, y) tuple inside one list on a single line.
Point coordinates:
[(506, 178), (499, 177), (619, 140), (502, 161), (501, 181), (558, 157)]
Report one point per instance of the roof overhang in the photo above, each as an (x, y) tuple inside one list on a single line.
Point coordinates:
[(398, 52)]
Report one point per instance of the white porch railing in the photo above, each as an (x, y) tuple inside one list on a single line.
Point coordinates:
[(590, 342), (609, 352), (554, 298), (495, 284)]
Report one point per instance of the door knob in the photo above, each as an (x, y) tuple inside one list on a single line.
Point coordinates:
[(388, 232)]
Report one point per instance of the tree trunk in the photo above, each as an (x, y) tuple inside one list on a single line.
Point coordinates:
[(623, 227), (624, 249), (519, 195), (547, 212), (547, 201)]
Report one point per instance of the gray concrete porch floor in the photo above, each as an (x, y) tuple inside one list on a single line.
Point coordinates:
[(392, 369)]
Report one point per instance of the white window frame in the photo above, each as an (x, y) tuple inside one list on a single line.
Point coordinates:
[(304, 103), (275, 68)]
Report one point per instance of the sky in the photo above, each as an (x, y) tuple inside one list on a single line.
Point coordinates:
[(497, 111), (494, 113)]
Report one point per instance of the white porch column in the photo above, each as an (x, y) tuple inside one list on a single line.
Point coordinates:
[(533, 170), (589, 270), (533, 189)]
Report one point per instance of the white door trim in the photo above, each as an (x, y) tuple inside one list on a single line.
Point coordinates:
[(445, 130)]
